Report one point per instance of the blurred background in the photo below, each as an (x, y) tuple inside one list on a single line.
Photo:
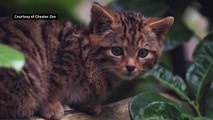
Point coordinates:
[(193, 21)]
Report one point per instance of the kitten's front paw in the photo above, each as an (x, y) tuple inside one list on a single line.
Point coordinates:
[(52, 110), (90, 108)]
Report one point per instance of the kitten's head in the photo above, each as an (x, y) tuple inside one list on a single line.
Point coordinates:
[(127, 43)]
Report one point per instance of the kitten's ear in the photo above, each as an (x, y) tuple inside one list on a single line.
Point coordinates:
[(101, 17), (160, 26)]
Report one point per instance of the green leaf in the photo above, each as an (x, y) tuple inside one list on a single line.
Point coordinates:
[(161, 111), (208, 103), (176, 83), (198, 73), (139, 103), (11, 58)]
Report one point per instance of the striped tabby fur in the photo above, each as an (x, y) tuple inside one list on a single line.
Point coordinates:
[(68, 65)]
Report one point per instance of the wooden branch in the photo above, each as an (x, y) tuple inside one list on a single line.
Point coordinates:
[(114, 111)]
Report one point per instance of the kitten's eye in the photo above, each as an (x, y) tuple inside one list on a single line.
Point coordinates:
[(117, 51), (143, 53)]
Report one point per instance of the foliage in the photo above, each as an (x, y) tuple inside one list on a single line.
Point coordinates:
[(196, 90), (11, 58), (149, 105)]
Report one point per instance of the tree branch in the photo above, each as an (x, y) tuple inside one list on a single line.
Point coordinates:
[(114, 111)]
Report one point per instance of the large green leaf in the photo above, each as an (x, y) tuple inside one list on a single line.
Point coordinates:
[(176, 83), (198, 73), (139, 103), (11, 58), (161, 111)]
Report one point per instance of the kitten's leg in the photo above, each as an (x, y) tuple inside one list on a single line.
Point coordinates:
[(52, 110), (93, 107)]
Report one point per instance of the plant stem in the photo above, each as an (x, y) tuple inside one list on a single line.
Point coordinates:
[(195, 107)]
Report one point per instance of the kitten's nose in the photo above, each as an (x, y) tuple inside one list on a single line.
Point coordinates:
[(130, 68)]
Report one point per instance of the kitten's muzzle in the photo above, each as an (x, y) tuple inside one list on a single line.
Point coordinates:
[(130, 68)]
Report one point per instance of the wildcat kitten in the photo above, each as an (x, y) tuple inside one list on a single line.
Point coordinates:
[(69, 65)]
